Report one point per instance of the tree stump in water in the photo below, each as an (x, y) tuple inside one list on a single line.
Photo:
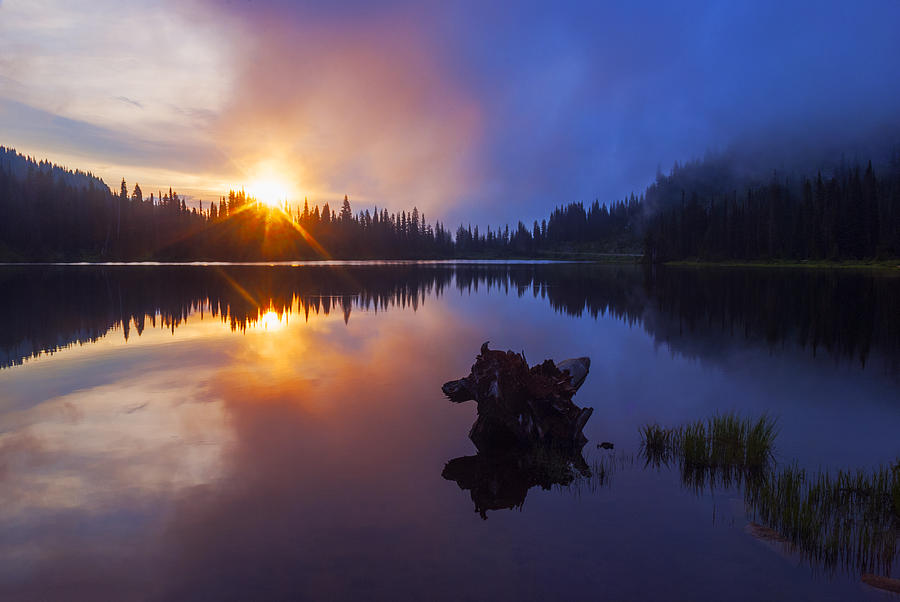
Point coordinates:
[(522, 406), (528, 432)]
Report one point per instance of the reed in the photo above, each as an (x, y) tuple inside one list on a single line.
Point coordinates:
[(656, 444), (847, 519), (724, 449)]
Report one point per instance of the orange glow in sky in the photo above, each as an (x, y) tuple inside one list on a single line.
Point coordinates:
[(286, 114)]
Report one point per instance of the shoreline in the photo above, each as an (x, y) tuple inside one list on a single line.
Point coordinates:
[(547, 258), (594, 258), (885, 265)]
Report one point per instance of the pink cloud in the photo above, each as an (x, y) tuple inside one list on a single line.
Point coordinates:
[(365, 109)]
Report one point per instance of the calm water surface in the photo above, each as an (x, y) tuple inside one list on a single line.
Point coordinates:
[(237, 432)]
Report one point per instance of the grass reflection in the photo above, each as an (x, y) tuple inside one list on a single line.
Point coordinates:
[(725, 449), (847, 519)]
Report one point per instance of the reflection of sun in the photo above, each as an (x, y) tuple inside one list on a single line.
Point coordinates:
[(271, 321)]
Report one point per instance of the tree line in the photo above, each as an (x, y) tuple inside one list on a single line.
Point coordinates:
[(50, 213), (852, 214), (698, 211)]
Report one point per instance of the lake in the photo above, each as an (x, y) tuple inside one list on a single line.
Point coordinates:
[(238, 431)]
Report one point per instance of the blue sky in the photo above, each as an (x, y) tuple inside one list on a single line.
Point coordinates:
[(470, 110)]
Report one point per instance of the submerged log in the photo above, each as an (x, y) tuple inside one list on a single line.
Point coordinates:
[(522, 406)]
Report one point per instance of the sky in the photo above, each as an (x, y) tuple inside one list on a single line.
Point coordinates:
[(484, 112)]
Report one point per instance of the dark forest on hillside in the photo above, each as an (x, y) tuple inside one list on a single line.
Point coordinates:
[(852, 214), (698, 211)]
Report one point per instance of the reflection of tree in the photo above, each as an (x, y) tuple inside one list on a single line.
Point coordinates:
[(45, 309), (848, 315)]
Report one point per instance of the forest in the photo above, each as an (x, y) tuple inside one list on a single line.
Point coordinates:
[(700, 210), (851, 214), (48, 213)]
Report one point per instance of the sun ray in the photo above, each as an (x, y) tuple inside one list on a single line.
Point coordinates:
[(303, 232)]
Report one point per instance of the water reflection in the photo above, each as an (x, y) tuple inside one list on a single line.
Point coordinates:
[(499, 479), (843, 520), (846, 520), (246, 446), (214, 466), (844, 315)]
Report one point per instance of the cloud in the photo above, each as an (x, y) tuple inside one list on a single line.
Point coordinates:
[(111, 154), (127, 100), (365, 109), (49, 130), (473, 112), (71, 80), (81, 64)]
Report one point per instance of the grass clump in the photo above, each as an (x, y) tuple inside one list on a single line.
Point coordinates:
[(847, 518), (844, 518), (723, 448), (656, 444)]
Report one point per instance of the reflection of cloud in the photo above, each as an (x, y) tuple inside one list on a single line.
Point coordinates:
[(233, 487), (325, 442), (89, 460), (83, 476), (317, 409)]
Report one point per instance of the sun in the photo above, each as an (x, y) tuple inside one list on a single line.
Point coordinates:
[(269, 190), (270, 182)]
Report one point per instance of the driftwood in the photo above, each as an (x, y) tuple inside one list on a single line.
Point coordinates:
[(523, 406)]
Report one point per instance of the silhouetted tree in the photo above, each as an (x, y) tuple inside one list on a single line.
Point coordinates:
[(697, 211)]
